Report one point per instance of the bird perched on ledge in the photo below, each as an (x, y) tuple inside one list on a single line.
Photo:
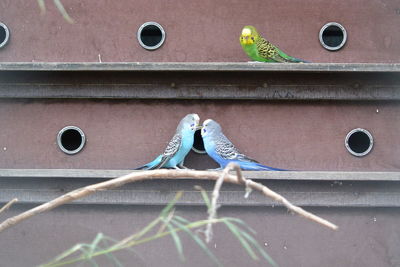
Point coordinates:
[(178, 147), (259, 49), (219, 148)]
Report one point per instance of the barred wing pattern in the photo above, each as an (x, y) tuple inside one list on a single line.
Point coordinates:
[(268, 50), (171, 149), (228, 151)]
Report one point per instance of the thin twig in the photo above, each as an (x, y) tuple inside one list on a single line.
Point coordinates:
[(241, 179), (8, 205), (157, 174), (212, 211)]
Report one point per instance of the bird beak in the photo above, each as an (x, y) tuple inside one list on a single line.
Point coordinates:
[(199, 127), (197, 124), (246, 34), (247, 39)]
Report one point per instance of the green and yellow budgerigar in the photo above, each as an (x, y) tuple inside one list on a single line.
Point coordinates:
[(259, 49)]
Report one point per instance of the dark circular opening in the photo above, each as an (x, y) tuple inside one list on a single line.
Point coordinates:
[(3, 34), (332, 36), (198, 145), (151, 35), (71, 139), (359, 142)]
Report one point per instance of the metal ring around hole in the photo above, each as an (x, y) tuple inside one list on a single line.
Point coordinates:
[(333, 48), (199, 151), (371, 142), (162, 35), (60, 145), (7, 38)]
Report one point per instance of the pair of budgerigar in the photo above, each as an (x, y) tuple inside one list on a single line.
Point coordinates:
[(216, 144)]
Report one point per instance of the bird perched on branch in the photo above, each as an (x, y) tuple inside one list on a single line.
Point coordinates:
[(259, 49), (222, 150), (178, 147)]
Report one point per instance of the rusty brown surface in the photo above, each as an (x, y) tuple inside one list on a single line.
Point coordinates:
[(125, 134), (366, 237), (198, 30)]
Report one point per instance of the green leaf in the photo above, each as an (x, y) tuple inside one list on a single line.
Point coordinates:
[(205, 196), (42, 6), (92, 247), (106, 242), (181, 219), (62, 10), (177, 240), (114, 260), (199, 242), (171, 204), (239, 221), (259, 248), (238, 233)]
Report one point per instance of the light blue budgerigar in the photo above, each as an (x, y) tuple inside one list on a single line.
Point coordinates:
[(178, 147), (219, 148)]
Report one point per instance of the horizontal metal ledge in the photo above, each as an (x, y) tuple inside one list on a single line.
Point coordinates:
[(193, 198), (320, 189), (262, 175), (182, 91), (199, 66)]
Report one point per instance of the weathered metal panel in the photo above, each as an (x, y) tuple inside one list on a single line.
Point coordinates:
[(198, 31), (366, 237), (202, 81), (314, 193), (125, 134), (199, 67), (333, 189)]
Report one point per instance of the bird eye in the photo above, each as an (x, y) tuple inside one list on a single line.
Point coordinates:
[(252, 38)]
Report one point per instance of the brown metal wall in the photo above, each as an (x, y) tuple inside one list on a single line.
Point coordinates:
[(198, 30), (124, 134), (367, 237)]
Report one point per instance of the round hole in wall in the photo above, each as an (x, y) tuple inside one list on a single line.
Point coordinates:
[(332, 36), (359, 142), (4, 34), (198, 145), (151, 35), (71, 139)]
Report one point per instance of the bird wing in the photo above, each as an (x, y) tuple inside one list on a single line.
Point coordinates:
[(269, 51), (266, 49), (172, 148), (228, 151)]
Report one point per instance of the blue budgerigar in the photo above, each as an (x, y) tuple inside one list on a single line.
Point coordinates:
[(222, 150), (178, 147)]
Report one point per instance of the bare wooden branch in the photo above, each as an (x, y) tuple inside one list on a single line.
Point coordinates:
[(157, 174), (212, 211), (8, 205)]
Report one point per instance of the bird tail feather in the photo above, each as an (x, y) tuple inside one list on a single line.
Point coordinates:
[(151, 165), (297, 60), (251, 166)]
